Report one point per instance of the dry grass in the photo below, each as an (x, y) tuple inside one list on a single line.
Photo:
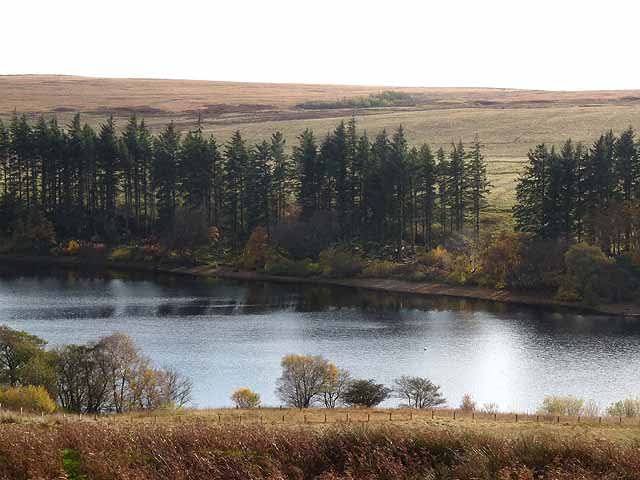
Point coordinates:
[(501, 424), (509, 122), (424, 448)]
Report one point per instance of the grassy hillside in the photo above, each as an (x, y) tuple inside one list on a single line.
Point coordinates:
[(508, 121)]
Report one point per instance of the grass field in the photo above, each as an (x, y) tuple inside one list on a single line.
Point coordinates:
[(621, 429), (257, 444), (509, 122)]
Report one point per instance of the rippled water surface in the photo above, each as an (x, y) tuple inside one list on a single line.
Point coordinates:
[(225, 335)]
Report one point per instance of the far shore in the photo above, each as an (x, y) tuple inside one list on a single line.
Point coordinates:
[(374, 284)]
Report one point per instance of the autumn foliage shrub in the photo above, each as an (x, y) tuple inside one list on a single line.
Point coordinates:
[(29, 399)]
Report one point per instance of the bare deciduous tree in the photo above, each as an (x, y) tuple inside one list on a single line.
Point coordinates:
[(419, 392), (303, 379)]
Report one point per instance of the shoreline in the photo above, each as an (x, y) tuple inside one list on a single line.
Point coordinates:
[(373, 284)]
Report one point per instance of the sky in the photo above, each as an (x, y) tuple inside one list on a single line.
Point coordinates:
[(539, 44)]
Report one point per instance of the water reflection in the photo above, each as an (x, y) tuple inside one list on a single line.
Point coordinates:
[(226, 334)]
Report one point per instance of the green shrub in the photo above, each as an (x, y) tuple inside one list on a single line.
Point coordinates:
[(379, 269), (556, 405), (594, 277), (629, 407), (340, 262), (30, 399), (277, 264)]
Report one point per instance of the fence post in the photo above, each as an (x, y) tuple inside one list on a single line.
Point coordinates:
[(219, 418), (558, 418), (454, 414), (368, 417), (282, 418), (537, 418), (325, 417), (600, 420), (495, 417), (411, 415), (305, 418), (473, 415), (347, 417), (389, 416), (578, 418), (516, 418)]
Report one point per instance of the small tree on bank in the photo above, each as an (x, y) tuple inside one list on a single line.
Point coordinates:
[(419, 392), (303, 379), (245, 398), (365, 393)]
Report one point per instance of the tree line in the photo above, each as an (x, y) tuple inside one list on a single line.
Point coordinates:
[(110, 375), (583, 193), (118, 186)]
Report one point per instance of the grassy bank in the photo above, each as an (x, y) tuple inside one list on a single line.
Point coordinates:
[(374, 284), (425, 449)]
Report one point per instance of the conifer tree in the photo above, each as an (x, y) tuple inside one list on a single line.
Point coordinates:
[(283, 176), (259, 187), (530, 210), (442, 169), (478, 184), (305, 155), (428, 179), (164, 174), (234, 175), (108, 163)]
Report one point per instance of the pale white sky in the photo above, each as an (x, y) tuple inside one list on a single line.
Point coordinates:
[(545, 44)]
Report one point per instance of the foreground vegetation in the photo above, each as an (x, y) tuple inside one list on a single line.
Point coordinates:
[(197, 450)]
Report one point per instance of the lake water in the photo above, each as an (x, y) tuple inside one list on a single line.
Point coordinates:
[(226, 335)]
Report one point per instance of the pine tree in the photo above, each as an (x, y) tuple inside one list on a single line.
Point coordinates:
[(531, 190), (108, 163), (164, 174), (479, 185), (361, 169), (236, 159), (442, 171), (398, 175), (625, 163), (428, 179), (259, 187), (283, 176), (305, 155), (458, 186)]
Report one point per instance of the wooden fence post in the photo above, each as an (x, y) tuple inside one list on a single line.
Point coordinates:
[(516, 418), (368, 417), (389, 416), (325, 417), (454, 414)]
